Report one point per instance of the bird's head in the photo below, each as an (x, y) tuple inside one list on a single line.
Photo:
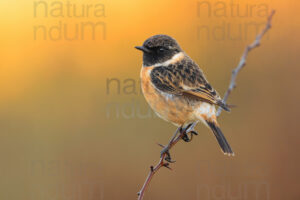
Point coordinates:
[(158, 49)]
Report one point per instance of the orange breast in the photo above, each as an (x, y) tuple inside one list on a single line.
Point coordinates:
[(168, 107)]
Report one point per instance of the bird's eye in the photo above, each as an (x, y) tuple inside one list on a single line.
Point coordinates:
[(161, 50)]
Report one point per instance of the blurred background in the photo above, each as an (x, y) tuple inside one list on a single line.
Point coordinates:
[(75, 126)]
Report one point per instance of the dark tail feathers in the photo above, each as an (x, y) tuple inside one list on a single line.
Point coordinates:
[(220, 138)]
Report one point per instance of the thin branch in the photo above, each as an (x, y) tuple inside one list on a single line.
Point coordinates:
[(160, 164), (177, 137), (243, 59)]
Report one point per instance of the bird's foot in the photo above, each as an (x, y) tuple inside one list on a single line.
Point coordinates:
[(165, 151), (188, 130)]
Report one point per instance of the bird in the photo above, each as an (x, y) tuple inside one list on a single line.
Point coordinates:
[(176, 88)]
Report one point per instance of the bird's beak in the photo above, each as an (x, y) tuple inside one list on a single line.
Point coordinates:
[(143, 49)]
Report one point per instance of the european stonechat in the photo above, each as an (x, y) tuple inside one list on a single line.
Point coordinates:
[(176, 88)]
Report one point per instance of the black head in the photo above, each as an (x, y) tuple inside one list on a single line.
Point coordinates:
[(158, 49)]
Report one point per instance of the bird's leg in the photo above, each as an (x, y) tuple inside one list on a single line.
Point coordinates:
[(166, 149), (183, 133), (189, 130)]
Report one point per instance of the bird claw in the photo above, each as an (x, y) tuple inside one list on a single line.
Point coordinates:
[(166, 152), (185, 136), (184, 132), (168, 158)]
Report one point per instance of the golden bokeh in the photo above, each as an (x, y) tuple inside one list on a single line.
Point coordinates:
[(74, 124)]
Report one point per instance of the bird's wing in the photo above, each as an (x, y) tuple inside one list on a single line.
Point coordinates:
[(184, 78)]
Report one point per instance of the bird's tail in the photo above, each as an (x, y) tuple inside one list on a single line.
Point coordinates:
[(220, 138)]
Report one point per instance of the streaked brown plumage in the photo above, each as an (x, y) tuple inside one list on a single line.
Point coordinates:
[(176, 88)]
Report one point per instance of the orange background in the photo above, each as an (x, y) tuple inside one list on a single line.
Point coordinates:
[(61, 137)]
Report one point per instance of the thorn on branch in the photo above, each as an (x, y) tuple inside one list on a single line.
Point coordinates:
[(162, 146), (167, 166)]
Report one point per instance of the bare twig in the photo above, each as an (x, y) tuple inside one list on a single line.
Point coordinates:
[(160, 164), (177, 137), (243, 59)]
